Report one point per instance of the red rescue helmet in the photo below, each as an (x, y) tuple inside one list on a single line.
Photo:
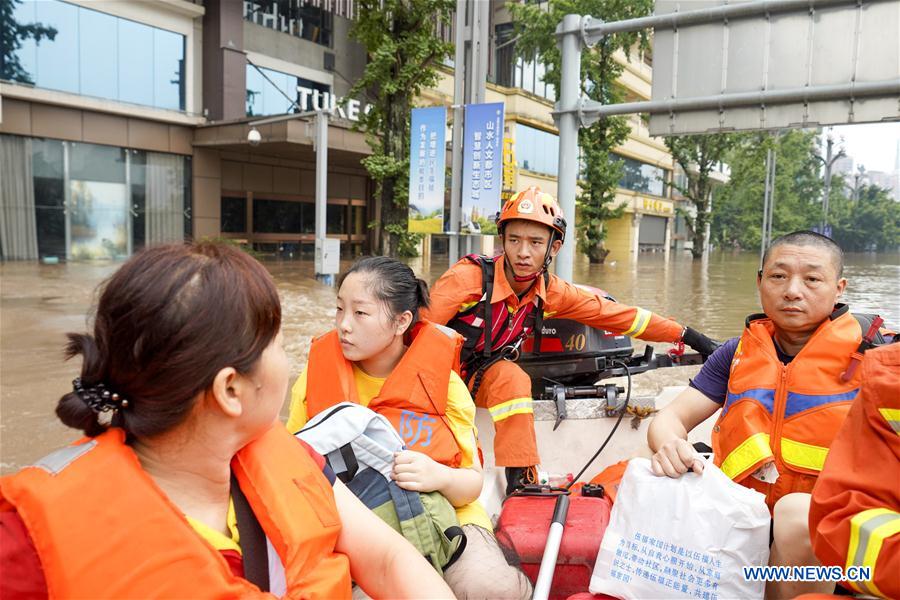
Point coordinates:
[(534, 205)]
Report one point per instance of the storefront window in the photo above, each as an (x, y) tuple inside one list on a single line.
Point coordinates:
[(295, 17), (234, 215), (87, 201), (536, 150), (642, 177), (49, 196), (96, 54), (335, 219), (277, 216)]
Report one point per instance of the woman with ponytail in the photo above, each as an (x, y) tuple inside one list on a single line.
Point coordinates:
[(382, 355), (186, 485)]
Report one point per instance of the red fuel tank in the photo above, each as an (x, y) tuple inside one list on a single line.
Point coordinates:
[(522, 530)]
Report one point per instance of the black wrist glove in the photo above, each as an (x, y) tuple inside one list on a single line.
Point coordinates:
[(699, 342)]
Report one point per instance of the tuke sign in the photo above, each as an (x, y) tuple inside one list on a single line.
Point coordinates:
[(311, 99)]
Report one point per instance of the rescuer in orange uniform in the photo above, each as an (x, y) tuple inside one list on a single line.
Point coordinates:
[(854, 516), (784, 388), (513, 293)]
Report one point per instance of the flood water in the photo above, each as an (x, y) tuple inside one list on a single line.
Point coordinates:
[(40, 303)]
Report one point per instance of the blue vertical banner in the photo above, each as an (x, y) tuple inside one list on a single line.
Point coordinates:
[(427, 158), (482, 163)]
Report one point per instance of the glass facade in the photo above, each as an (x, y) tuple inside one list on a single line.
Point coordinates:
[(537, 150), (96, 54), (294, 17), (275, 93), (513, 71), (93, 201), (289, 217), (643, 177)]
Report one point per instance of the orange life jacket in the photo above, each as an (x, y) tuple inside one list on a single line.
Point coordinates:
[(414, 396), (785, 414), (103, 529)]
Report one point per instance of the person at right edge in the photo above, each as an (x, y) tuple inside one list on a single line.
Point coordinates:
[(854, 516), (514, 292), (784, 389)]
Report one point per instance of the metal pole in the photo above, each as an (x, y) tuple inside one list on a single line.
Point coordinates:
[(481, 13), (728, 12), (570, 45), (829, 147), (765, 227), (459, 81), (772, 194), (321, 143), (590, 110)]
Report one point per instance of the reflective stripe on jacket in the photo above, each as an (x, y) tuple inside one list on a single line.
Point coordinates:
[(414, 396), (854, 515), (103, 529), (789, 414)]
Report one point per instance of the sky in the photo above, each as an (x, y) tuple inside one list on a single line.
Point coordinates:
[(873, 144)]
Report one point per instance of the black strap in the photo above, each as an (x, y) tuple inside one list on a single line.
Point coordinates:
[(254, 549), (452, 532), (350, 463), (539, 318), (487, 290)]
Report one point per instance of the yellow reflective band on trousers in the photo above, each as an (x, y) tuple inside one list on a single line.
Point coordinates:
[(516, 406), (892, 416), (868, 530), (641, 320), (752, 450), (807, 456)]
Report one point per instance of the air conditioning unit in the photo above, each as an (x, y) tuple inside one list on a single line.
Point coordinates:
[(329, 61)]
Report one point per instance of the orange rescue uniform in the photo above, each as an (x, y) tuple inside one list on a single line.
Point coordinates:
[(854, 516), (103, 529), (505, 388)]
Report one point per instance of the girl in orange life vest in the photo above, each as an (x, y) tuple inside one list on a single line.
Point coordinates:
[(783, 395), (186, 472), (380, 355)]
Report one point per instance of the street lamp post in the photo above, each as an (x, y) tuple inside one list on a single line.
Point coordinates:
[(828, 161)]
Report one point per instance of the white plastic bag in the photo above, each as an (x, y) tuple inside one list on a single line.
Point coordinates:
[(682, 538)]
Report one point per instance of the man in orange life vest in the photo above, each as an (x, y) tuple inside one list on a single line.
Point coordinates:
[(855, 512), (496, 302), (784, 388)]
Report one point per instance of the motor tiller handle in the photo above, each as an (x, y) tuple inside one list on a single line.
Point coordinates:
[(551, 549)]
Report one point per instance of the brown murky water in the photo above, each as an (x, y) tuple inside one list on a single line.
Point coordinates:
[(40, 303)]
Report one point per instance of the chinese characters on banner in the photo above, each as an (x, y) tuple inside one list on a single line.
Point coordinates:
[(482, 162), (427, 158), (509, 169)]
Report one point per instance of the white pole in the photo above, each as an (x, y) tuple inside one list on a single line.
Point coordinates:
[(570, 47), (321, 143)]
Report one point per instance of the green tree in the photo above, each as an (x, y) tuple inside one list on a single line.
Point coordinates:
[(403, 55), (737, 213), (697, 155), (870, 223), (12, 34), (535, 25)]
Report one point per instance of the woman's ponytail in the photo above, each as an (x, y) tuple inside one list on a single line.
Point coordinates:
[(422, 294), (73, 409)]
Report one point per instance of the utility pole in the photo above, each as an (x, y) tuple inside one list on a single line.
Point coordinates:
[(768, 202), (470, 62)]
